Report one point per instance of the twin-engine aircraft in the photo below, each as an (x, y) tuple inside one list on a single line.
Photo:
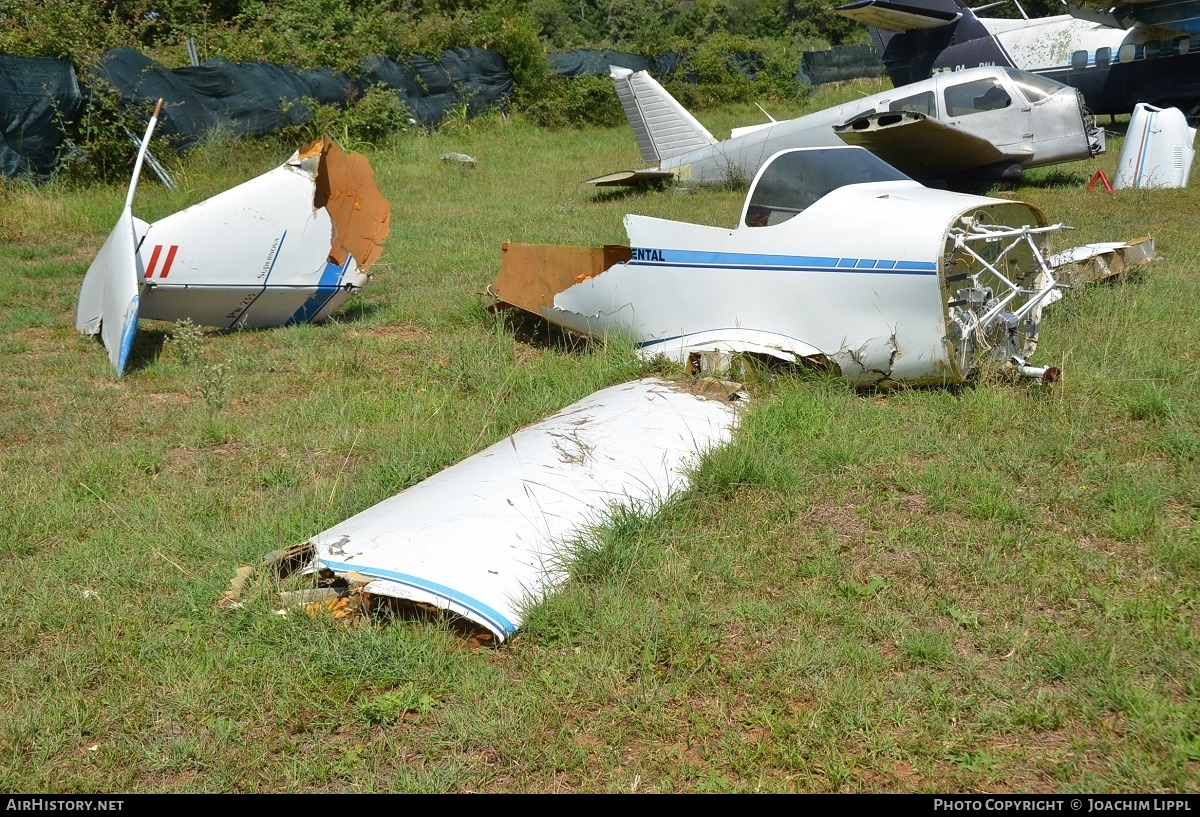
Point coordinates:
[(961, 131), (1144, 51)]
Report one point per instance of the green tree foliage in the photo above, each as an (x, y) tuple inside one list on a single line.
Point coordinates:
[(729, 68), (338, 33), (646, 26), (723, 44)]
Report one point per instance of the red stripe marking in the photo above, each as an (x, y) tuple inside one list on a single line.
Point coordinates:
[(153, 260), (170, 260)]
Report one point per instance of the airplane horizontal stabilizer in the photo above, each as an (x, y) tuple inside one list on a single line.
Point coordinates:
[(897, 16), (631, 177), (920, 146)]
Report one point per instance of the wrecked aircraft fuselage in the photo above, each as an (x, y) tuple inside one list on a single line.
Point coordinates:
[(838, 258), (287, 247)]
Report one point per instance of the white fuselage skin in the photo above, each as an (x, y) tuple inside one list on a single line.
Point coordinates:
[(856, 278), (1048, 131)]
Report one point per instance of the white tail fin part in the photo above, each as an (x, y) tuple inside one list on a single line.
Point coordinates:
[(662, 126)]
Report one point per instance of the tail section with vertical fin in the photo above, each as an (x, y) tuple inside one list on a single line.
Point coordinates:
[(662, 126)]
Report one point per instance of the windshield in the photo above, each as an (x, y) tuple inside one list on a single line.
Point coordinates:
[(795, 179), (1033, 87)]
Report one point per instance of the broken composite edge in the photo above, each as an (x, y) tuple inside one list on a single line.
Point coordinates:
[(287, 247), (492, 534), (1089, 263)]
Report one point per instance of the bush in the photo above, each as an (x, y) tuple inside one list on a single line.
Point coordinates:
[(580, 101), (728, 69)]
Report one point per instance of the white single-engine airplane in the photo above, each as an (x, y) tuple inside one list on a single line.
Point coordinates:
[(838, 259), (960, 131), (1141, 51), (290, 246)]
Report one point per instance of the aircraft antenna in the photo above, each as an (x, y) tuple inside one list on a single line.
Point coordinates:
[(1024, 16), (764, 110)]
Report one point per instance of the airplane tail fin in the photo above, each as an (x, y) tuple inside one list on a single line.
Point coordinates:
[(662, 126), (908, 35)]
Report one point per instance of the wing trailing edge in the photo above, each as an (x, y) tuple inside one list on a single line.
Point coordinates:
[(898, 16)]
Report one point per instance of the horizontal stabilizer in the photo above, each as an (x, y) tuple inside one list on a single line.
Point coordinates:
[(897, 16), (920, 146), (631, 177)]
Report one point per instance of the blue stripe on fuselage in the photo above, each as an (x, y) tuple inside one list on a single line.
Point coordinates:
[(650, 257), (326, 287)]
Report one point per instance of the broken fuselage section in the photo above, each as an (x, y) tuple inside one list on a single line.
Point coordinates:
[(287, 247), (838, 259), (290, 246)]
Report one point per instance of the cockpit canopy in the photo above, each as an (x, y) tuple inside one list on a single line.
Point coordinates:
[(794, 179)]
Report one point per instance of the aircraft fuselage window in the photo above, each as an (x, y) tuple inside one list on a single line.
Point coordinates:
[(1103, 56), (1182, 45), (921, 103), (1151, 49), (796, 179), (1079, 59), (976, 97), (1033, 87), (1127, 52)]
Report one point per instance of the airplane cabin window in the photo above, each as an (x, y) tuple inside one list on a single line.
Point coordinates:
[(1127, 52), (1033, 87), (1103, 56), (1182, 45), (796, 179), (921, 103), (1151, 49), (1079, 59), (976, 97)]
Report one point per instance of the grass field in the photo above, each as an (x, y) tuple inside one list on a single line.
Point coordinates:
[(987, 589)]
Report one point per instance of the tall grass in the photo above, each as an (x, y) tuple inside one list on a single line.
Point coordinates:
[(987, 589)]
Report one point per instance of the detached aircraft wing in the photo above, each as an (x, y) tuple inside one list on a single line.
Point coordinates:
[(488, 535), (921, 146), (897, 16)]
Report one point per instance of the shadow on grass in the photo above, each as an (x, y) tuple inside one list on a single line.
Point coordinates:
[(530, 329), (642, 189), (147, 346)]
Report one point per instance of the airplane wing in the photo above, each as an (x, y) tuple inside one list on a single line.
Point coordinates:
[(631, 177), (920, 146), (1172, 15), (483, 537), (896, 16)]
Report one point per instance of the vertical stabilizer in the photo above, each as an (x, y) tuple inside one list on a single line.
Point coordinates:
[(662, 126)]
